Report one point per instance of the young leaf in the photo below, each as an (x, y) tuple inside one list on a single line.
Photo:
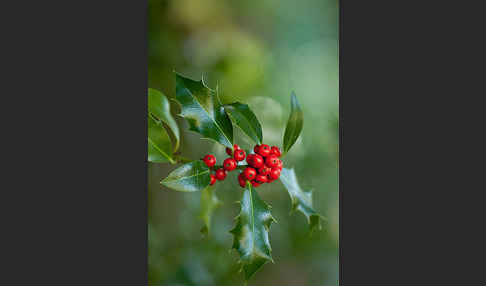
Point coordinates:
[(190, 177), (294, 124), (243, 117), (159, 145), (203, 111), (301, 201), (251, 232), (209, 202), (159, 106)]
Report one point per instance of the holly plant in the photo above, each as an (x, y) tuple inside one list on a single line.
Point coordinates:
[(206, 115)]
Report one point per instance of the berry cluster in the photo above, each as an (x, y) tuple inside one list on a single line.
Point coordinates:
[(229, 164), (264, 165)]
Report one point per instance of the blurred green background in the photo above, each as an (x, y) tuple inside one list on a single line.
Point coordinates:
[(257, 52)]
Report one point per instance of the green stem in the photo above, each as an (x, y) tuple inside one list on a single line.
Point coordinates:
[(182, 159), (239, 167)]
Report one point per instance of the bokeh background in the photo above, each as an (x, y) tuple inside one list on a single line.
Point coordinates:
[(257, 52)]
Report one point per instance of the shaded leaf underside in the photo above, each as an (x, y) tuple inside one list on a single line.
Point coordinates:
[(209, 202)]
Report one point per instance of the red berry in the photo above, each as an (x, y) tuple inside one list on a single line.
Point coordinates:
[(229, 164), (258, 161), (274, 173), (255, 184), (270, 180), (229, 151), (280, 164), (249, 173), (264, 150), (210, 160), (255, 160), (272, 161), (261, 179), (213, 179), (275, 151), (249, 158), (264, 170), (255, 149), (239, 155), (242, 180), (220, 174)]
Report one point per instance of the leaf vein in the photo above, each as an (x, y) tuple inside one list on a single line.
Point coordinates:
[(160, 150), (208, 114), (183, 178)]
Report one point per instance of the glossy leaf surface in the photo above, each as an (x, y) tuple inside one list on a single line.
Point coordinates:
[(190, 177), (251, 232), (159, 144), (245, 119), (301, 200), (159, 106), (201, 107), (294, 124)]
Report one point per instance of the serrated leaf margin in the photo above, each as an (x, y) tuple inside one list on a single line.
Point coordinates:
[(253, 259), (301, 200), (228, 138)]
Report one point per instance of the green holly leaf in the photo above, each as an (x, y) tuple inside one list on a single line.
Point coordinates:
[(245, 119), (159, 108), (294, 124), (301, 201), (190, 177), (209, 202), (251, 232), (159, 145), (203, 111)]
